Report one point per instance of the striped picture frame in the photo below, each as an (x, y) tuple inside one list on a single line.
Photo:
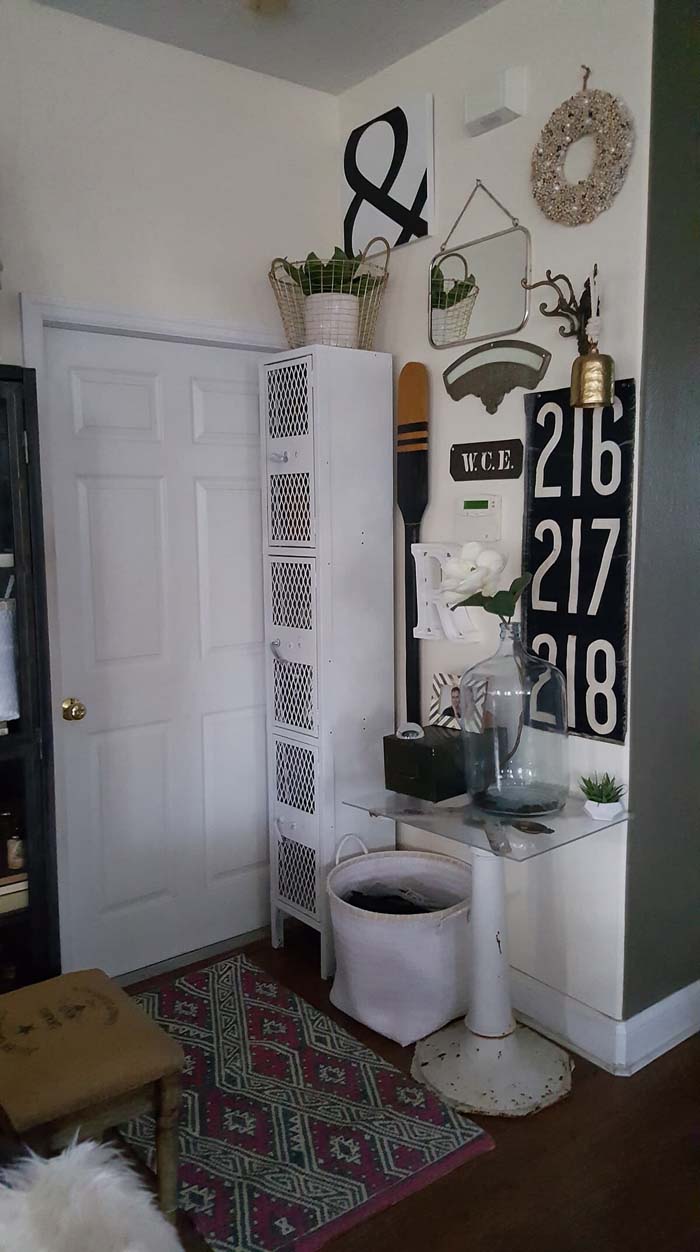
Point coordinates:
[(444, 700)]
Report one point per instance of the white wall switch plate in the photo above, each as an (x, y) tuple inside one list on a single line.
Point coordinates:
[(479, 517)]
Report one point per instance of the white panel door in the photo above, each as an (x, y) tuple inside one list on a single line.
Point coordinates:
[(152, 455)]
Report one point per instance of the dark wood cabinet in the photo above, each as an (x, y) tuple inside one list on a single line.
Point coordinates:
[(29, 946)]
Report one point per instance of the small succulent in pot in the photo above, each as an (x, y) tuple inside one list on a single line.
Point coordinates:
[(603, 795)]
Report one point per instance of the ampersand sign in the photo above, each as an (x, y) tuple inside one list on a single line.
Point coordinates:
[(394, 200)]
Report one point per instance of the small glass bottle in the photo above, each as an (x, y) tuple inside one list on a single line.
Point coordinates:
[(12, 854), (515, 731), (16, 859)]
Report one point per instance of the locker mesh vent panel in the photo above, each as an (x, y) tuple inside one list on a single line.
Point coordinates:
[(293, 694), (288, 400), (290, 508), (296, 782), (296, 874), (291, 594)]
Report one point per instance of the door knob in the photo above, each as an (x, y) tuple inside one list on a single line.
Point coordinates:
[(73, 710)]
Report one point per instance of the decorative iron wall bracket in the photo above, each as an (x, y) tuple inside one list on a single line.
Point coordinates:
[(576, 313)]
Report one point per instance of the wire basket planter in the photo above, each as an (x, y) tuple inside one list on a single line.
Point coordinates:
[(452, 303), (334, 301), (451, 325)]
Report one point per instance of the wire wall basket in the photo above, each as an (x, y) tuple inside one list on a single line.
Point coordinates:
[(334, 301)]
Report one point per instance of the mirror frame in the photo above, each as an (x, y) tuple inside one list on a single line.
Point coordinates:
[(525, 278)]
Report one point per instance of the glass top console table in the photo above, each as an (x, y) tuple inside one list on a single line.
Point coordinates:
[(514, 838), (487, 1063)]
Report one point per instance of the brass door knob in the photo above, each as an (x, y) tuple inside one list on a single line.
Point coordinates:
[(73, 710)]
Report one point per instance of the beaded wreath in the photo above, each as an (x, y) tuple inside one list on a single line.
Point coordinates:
[(609, 121)]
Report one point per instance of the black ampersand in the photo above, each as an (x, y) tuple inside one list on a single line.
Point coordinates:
[(409, 219)]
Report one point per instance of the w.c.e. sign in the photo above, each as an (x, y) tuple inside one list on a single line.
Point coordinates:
[(577, 543)]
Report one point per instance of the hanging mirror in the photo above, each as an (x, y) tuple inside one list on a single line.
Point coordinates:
[(475, 289)]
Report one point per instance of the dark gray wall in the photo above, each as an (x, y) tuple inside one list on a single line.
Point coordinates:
[(662, 935)]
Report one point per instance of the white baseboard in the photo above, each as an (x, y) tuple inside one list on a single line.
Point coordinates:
[(191, 958), (621, 1047)]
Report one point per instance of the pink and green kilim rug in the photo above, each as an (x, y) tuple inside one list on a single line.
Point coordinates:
[(291, 1130)]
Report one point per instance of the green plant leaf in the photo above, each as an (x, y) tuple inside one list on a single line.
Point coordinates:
[(518, 585), (445, 293), (502, 604), (293, 271), (477, 601)]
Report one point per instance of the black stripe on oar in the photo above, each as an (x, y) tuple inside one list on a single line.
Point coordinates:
[(405, 426)]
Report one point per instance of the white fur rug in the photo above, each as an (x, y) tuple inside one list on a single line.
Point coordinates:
[(85, 1200)]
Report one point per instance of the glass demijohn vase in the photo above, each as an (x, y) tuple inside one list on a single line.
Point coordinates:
[(513, 712)]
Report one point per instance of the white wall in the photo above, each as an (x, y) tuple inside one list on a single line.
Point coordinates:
[(566, 909), (134, 175)]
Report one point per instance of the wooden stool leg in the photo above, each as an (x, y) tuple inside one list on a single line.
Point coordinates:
[(167, 1144)]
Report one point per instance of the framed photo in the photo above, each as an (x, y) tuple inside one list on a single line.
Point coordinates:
[(387, 176), (444, 701)]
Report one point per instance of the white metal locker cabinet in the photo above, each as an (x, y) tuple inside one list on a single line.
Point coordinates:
[(294, 826), (328, 505), (288, 438), (291, 616)]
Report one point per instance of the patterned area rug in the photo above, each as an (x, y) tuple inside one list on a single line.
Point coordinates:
[(291, 1130)]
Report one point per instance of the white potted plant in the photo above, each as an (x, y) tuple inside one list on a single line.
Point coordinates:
[(332, 289), (452, 301), (603, 796)]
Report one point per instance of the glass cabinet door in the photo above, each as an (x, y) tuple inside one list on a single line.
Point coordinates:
[(18, 747), (9, 667), (29, 948)]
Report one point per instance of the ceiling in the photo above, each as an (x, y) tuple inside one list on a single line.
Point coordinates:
[(327, 44)]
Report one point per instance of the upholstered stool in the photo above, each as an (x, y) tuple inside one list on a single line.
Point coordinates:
[(78, 1055)]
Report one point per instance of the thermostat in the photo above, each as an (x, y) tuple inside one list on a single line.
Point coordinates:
[(479, 518)]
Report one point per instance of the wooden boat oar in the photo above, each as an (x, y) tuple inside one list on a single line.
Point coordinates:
[(412, 497)]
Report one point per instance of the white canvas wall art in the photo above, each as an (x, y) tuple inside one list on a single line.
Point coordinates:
[(387, 176)]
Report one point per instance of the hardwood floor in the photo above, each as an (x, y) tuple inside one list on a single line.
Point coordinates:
[(615, 1168)]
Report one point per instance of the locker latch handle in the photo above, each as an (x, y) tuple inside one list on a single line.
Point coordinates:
[(275, 645), (280, 458)]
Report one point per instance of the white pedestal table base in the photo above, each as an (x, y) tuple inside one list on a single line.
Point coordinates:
[(498, 1077), (487, 1064)]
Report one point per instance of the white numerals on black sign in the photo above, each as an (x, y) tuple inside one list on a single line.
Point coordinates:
[(576, 543)]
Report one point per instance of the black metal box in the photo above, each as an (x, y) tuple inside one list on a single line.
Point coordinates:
[(431, 768)]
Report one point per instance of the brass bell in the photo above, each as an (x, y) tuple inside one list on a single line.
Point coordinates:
[(592, 380)]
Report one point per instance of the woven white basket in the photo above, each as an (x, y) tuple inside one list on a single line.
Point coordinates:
[(403, 976)]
